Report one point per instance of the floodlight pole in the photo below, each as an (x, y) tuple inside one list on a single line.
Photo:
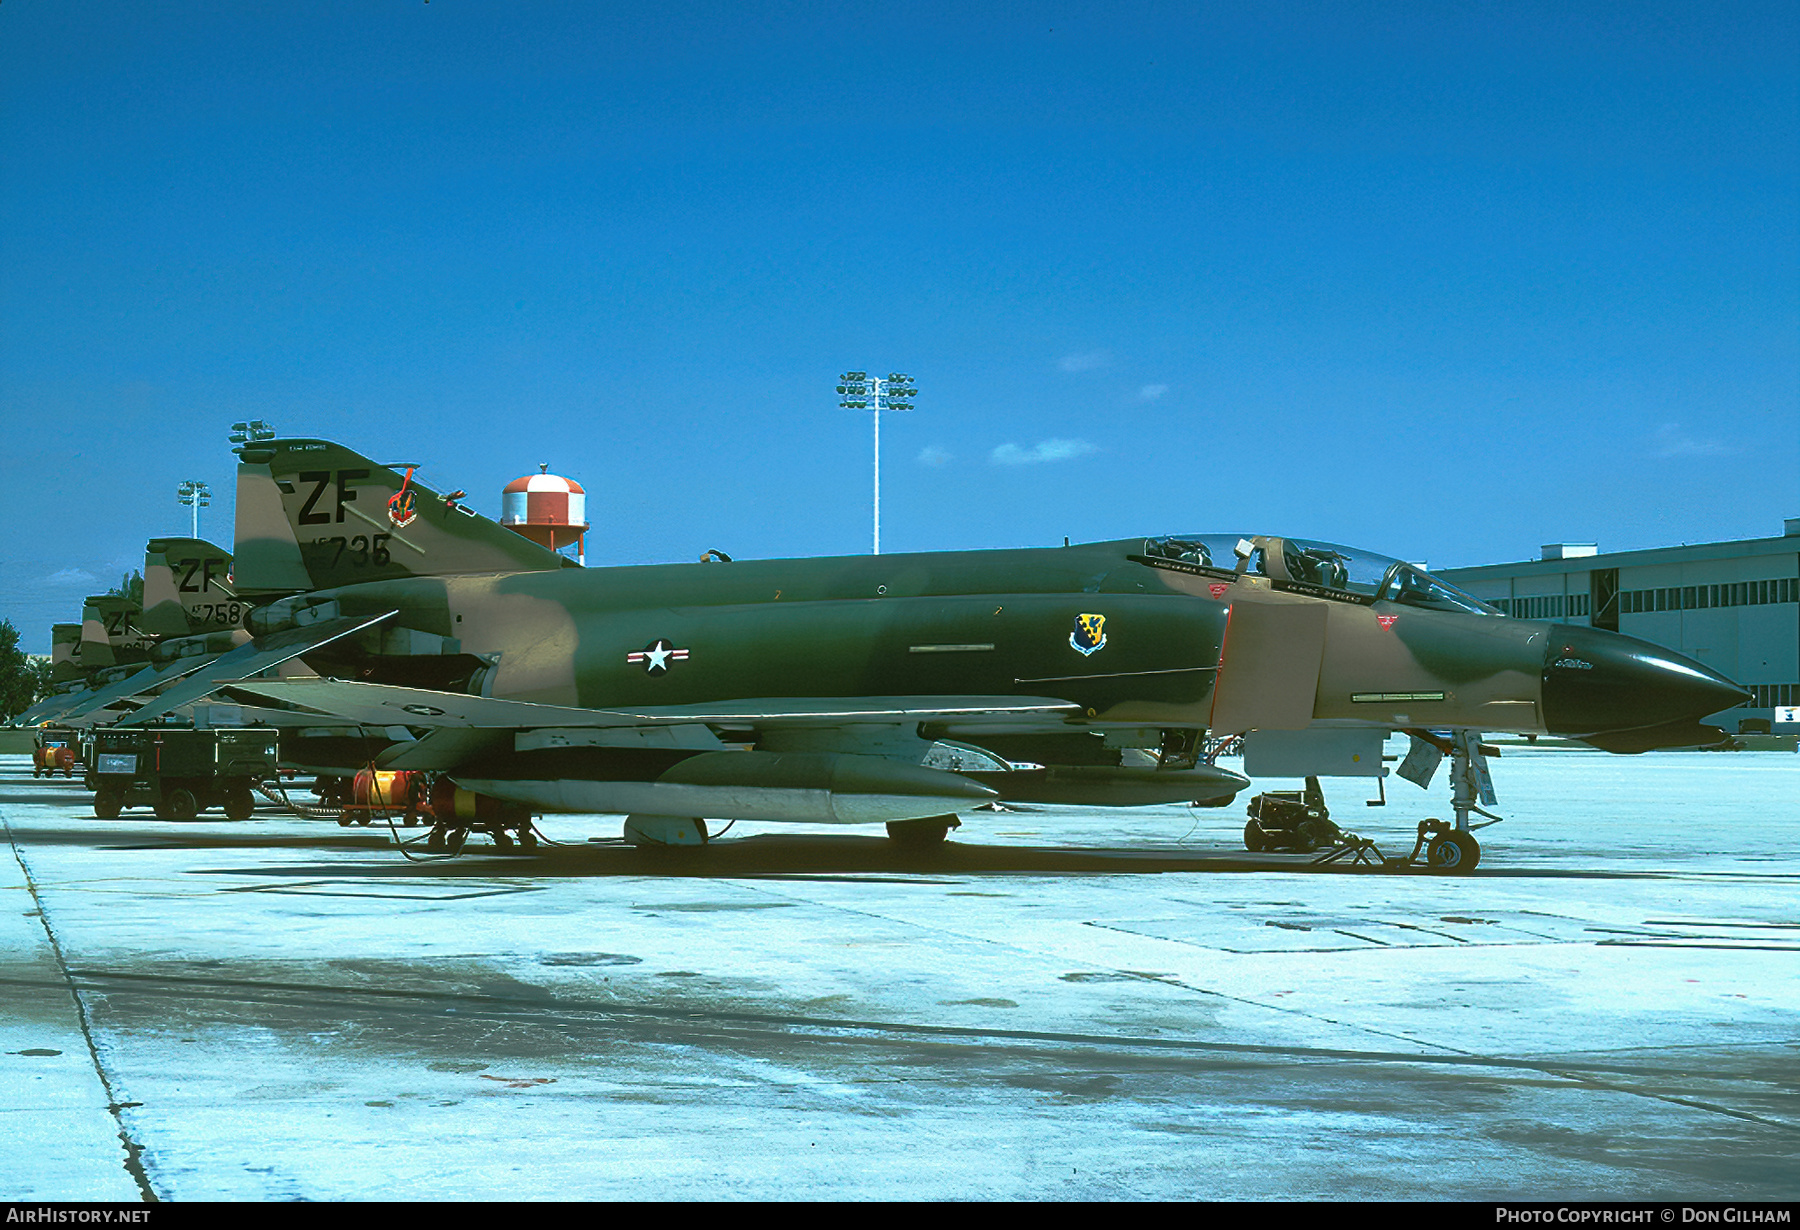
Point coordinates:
[(877, 418), (196, 495), (895, 391)]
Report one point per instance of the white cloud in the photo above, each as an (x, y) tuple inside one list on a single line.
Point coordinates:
[(71, 576), (1010, 454), (932, 455), (1084, 362), (1671, 441), (1151, 392)]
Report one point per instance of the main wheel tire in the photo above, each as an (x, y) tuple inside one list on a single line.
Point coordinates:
[(434, 841), (182, 804), (1454, 853), (925, 834), (454, 839), (239, 803), (1254, 839), (528, 838), (107, 804), (503, 839)]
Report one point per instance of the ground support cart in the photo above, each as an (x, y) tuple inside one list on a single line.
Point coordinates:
[(54, 751), (181, 772)]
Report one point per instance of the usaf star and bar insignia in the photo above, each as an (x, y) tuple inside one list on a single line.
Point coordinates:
[(656, 656), (1089, 636)]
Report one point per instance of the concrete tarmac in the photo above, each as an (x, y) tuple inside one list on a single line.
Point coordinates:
[(1062, 1003)]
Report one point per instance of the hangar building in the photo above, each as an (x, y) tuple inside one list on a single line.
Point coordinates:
[(1733, 605)]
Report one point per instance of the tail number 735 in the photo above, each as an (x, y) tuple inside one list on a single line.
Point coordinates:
[(363, 550)]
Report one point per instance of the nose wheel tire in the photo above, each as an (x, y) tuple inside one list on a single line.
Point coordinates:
[(1453, 853)]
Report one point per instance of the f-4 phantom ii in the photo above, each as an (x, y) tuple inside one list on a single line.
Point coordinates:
[(122, 652), (868, 689)]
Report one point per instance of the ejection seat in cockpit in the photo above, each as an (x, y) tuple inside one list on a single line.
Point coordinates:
[(1282, 559)]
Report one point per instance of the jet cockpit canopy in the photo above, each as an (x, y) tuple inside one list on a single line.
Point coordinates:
[(1324, 565)]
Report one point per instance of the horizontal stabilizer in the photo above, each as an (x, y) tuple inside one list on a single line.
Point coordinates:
[(259, 655)]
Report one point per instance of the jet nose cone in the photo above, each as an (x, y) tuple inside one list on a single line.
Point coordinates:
[(1597, 681)]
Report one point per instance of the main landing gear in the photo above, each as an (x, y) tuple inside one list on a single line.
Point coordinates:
[(508, 835)]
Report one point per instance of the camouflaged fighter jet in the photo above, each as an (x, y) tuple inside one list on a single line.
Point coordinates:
[(86, 658), (66, 676), (189, 616), (896, 688), (120, 651)]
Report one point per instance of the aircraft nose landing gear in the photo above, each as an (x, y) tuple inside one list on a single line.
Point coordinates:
[(1449, 851), (1452, 848)]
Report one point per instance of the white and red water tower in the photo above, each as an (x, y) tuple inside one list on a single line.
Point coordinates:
[(548, 509)]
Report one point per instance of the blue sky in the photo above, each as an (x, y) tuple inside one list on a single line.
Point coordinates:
[(1445, 281)]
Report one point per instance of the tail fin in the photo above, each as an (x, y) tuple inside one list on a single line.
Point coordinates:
[(65, 650), (315, 515), (188, 589), (109, 633)]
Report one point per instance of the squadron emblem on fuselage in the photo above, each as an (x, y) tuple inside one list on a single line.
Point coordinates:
[(1089, 635)]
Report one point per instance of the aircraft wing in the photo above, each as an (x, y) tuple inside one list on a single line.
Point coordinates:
[(92, 711), (376, 704), (253, 658), (53, 707)]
